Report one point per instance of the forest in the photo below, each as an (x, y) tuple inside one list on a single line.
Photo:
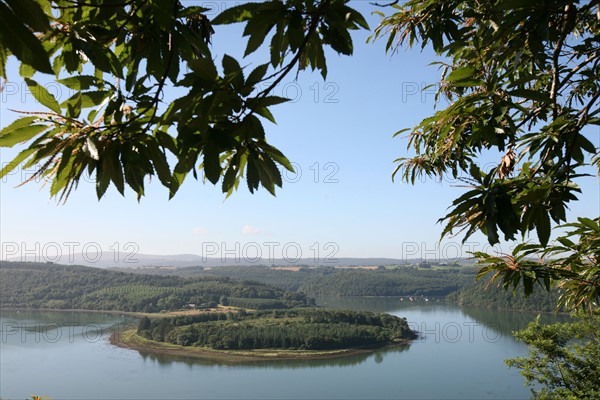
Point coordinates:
[(480, 294), (329, 281), (35, 285), (284, 279), (457, 284), (295, 329), (53, 286), (396, 282)]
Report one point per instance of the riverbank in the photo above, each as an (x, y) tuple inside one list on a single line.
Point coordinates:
[(129, 339)]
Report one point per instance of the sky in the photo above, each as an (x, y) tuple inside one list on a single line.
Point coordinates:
[(341, 202)]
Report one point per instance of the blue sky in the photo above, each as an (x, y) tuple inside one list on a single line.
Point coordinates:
[(342, 202)]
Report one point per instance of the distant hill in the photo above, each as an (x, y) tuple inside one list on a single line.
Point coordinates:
[(54, 286), (345, 281), (133, 260)]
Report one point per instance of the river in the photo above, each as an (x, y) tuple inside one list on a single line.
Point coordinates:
[(459, 356)]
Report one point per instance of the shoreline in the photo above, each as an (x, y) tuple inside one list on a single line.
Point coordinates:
[(131, 340)]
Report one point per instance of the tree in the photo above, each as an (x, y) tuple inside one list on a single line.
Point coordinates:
[(563, 359), (522, 82), (144, 324), (119, 57)]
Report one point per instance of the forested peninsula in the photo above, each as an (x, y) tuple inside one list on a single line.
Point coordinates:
[(279, 334), (263, 321)]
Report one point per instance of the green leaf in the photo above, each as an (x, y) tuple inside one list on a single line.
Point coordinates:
[(258, 27), (3, 58), (585, 144), (589, 223), (270, 101), (42, 95), (111, 165), (102, 181), (102, 57), (26, 70), (566, 242), (475, 172), (31, 13), (542, 226), (229, 180), (22, 42), (233, 71), (94, 98), (15, 162), (63, 174), (235, 14), (20, 131), (21, 135), (80, 82), (274, 174), (252, 178), (204, 68), (277, 46), (134, 177), (257, 74), (266, 113), (339, 40), (212, 165), (357, 18), (461, 74), (192, 11), (278, 156), (19, 123), (74, 106), (468, 83), (159, 161), (536, 95)]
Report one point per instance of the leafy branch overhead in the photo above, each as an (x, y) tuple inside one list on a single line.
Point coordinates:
[(118, 59), (522, 84)]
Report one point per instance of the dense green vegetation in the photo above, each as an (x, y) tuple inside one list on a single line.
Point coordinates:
[(34, 285), (398, 282), (456, 283), (297, 329), (284, 279), (329, 281), (494, 296), (213, 125), (563, 359)]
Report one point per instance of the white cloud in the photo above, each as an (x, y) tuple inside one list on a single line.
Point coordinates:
[(249, 230), (199, 230)]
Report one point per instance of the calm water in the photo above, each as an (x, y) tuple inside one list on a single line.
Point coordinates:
[(460, 356)]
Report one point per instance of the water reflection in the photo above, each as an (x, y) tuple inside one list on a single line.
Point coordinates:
[(343, 361), (506, 323), (379, 304), (493, 323), (453, 359), (44, 329)]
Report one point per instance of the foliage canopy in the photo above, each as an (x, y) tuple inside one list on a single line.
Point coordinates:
[(118, 57), (522, 80), (304, 329), (563, 358)]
